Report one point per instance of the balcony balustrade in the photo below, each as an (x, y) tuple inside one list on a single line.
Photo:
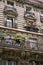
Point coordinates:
[(10, 43), (31, 24), (10, 10), (17, 39), (29, 15), (31, 27)]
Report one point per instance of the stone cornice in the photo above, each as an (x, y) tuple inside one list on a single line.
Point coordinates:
[(36, 3), (22, 31)]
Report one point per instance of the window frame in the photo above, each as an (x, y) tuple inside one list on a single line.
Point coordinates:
[(10, 24), (6, 62), (8, 40), (10, 3), (33, 43), (27, 10)]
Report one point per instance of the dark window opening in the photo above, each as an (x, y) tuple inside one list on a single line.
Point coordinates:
[(10, 3), (9, 22), (28, 9)]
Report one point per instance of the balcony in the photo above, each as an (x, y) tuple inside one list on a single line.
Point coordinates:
[(29, 15), (10, 44), (16, 39), (31, 26), (10, 10), (9, 23), (31, 29)]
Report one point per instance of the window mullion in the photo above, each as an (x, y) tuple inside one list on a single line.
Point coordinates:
[(6, 62)]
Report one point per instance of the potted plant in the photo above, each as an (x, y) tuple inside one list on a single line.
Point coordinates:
[(20, 40)]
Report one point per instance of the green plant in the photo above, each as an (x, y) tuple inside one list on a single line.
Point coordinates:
[(21, 39)]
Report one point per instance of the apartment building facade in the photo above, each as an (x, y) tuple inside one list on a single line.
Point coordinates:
[(21, 32)]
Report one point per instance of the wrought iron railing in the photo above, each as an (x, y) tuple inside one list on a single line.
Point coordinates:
[(10, 9), (29, 15), (22, 36)]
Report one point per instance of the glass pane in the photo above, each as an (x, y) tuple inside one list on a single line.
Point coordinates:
[(9, 62), (32, 40), (3, 62), (28, 8), (15, 63), (33, 43), (8, 40), (9, 23)]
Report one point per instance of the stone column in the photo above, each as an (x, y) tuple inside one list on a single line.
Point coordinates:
[(0, 61), (33, 62)]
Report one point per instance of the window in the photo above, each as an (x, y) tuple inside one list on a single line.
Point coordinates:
[(10, 6), (19, 4), (8, 40), (10, 3), (9, 22), (3, 62), (41, 13), (28, 9), (38, 63), (33, 43), (8, 62)]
